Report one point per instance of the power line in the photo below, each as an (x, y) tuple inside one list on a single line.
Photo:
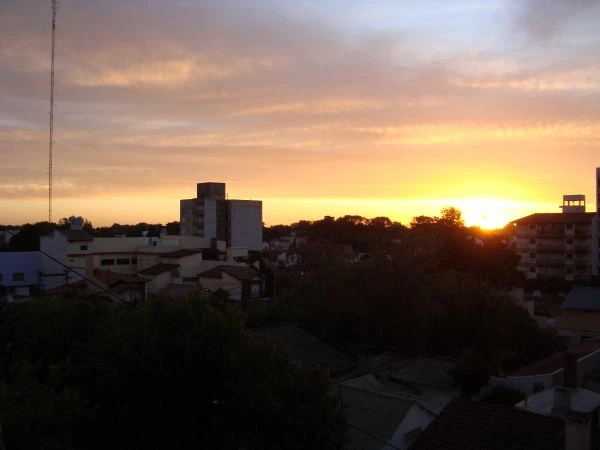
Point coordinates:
[(51, 138)]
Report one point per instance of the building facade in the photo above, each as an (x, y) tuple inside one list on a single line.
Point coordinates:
[(211, 215), (559, 245)]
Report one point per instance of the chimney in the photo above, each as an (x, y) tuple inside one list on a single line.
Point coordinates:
[(570, 370), (578, 434), (561, 404)]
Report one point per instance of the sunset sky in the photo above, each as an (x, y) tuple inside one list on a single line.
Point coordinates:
[(316, 107)]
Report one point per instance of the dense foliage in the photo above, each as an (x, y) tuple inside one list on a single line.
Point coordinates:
[(87, 375)]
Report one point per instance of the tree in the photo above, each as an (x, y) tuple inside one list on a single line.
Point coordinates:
[(164, 375), (28, 238), (452, 217)]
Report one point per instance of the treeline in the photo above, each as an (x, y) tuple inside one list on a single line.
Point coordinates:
[(92, 375), (28, 238), (443, 241)]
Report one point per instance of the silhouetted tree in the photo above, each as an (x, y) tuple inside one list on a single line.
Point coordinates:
[(174, 375)]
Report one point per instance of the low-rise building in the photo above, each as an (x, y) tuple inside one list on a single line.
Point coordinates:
[(240, 282), (581, 313), (19, 272)]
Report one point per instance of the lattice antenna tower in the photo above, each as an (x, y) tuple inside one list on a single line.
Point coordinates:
[(51, 139)]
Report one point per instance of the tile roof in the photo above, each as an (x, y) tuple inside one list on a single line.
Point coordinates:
[(241, 273), (69, 288), (181, 253), (558, 218), (308, 349), (157, 269), (76, 235), (583, 298), (111, 278), (468, 425), (555, 362), (427, 371)]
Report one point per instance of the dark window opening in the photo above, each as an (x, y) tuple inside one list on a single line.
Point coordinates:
[(83, 247), (107, 262), (18, 276), (122, 261), (133, 260)]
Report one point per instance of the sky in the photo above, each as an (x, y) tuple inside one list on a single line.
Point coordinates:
[(316, 107)]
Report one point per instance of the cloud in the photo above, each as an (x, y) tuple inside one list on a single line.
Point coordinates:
[(545, 19), (167, 94)]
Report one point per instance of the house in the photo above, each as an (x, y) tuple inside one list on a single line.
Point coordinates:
[(241, 282), (306, 350), (471, 425), (19, 272), (581, 313), (565, 417), (549, 371), (378, 413)]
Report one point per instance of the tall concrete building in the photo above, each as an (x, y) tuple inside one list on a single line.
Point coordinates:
[(211, 215), (560, 245)]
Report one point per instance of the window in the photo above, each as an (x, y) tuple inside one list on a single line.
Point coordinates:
[(569, 241), (569, 270), (122, 261), (153, 243), (532, 255), (18, 276), (107, 262), (569, 255), (133, 260), (532, 240), (83, 247)]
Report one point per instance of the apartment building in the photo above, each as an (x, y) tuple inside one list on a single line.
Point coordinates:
[(212, 215), (559, 245)]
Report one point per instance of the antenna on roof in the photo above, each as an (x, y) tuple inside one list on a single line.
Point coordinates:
[(54, 9)]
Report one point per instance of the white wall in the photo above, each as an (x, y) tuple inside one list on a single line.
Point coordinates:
[(246, 224), (27, 263), (417, 417)]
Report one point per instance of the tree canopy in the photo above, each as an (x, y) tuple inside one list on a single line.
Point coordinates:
[(88, 375)]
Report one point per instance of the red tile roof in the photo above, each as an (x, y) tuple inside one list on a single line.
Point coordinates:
[(468, 425), (555, 362), (157, 269)]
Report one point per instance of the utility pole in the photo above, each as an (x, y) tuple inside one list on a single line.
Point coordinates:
[(54, 9)]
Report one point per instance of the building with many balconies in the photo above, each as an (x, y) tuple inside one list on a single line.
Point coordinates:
[(559, 245)]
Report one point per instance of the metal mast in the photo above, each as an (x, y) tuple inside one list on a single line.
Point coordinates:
[(54, 9)]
